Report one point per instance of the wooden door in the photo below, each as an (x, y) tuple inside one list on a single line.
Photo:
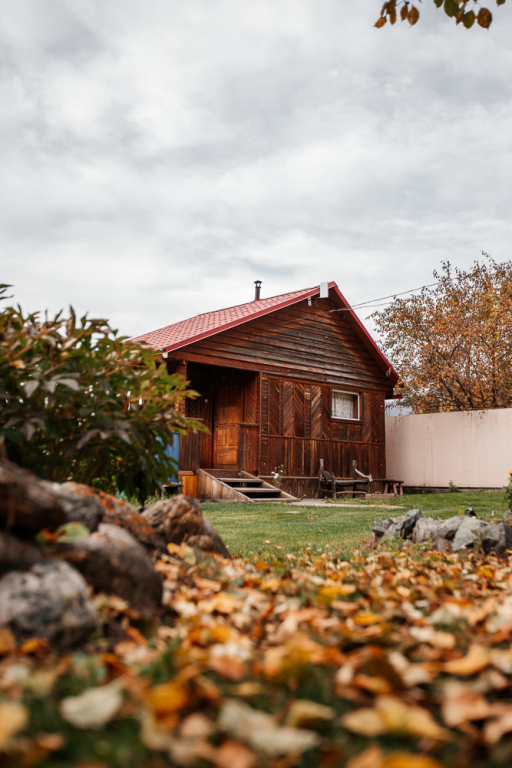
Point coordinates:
[(226, 439)]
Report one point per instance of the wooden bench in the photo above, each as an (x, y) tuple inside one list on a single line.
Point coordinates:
[(397, 485), (332, 486)]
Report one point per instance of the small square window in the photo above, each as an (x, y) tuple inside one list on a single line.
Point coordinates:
[(345, 405)]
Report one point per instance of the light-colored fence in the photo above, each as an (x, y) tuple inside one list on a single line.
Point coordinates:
[(473, 449)]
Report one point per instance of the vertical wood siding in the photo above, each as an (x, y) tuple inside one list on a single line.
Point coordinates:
[(308, 433)]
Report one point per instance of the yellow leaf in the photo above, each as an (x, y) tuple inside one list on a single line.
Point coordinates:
[(167, 698), (303, 713), (406, 760), (393, 716), (330, 592), (270, 585), (476, 659), (410, 720), (370, 758), (365, 618), (13, 717), (365, 721)]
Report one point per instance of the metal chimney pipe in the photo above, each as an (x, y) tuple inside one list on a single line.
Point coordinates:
[(257, 292)]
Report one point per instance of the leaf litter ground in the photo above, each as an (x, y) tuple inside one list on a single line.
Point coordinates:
[(391, 658)]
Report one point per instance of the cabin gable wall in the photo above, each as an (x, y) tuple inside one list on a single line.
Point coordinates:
[(290, 361), (306, 342)]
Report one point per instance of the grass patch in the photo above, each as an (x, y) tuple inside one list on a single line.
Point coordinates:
[(246, 528)]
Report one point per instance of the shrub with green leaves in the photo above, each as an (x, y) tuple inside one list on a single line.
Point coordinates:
[(508, 492), (78, 402)]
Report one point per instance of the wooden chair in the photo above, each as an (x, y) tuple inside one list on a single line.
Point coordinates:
[(334, 486)]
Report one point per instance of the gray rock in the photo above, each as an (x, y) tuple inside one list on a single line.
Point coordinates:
[(111, 560), (379, 529), (441, 545), (497, 538), (409, 524), (469, 529), (449, 527), (426, 529), (119, 512), (86, 510), (49, 601), (394, 527), (27, 503), (16, 553), (180, 520)]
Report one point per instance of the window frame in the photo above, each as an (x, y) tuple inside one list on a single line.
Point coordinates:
[(357, 395)]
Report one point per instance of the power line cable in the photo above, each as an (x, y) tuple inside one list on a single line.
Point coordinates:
[(393, 296)]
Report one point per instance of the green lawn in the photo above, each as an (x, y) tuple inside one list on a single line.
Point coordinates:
[(246, 528)]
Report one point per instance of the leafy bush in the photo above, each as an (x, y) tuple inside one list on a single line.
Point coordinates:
[(508, 492), (452, 488), (80, 403)]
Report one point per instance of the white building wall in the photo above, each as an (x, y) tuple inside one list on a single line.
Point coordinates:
[(473, 449)]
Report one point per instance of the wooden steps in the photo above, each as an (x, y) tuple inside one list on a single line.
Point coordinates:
[(238, 486)]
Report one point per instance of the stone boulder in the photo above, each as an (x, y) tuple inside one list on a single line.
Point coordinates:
[(393, 526), (450, 527), (111, 560), (426, 529), (79, 508), (409, 523), (27, 503), (469, 529), (120, 513), (497, 538), (49, 601), (17, 553), (180, 520)]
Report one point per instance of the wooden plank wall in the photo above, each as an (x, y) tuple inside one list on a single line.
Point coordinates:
[(311, 343), (297, 431)]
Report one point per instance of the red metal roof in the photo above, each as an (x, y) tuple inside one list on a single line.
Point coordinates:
[(186, 332)]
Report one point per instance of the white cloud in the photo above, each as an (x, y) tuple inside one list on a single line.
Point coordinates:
[(157, 157)]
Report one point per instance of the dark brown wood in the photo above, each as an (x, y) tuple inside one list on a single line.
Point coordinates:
[(312, 343), (249, 442), (227, 418), (266, 398)]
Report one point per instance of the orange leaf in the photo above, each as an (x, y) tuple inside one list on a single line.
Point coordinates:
[(7, 641), (35, 645), (167, 698), (413, 16), (228, 667), (380, 23), (234, 755), (476, 659), (484, 18)]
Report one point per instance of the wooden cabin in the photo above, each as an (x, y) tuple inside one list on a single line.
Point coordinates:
[(283, 382)]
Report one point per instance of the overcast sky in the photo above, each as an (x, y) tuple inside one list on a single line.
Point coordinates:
[(158, 156)]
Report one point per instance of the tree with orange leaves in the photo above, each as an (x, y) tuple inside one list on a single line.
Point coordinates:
[(452, 343), (465, 12)]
